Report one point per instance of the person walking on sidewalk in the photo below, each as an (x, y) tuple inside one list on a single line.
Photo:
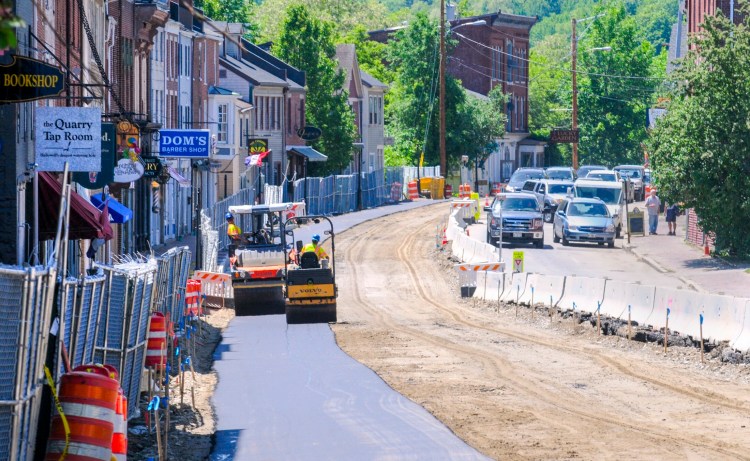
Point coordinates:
[(671, 217), (652, 205)]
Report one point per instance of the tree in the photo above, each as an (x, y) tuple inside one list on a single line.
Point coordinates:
[(228, 10), (615, 90), (699, 149), (308, 44), (371, 55)]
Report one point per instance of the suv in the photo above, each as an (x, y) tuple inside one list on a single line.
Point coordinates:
[(584, 220), (635, 174), (521, 175), (586, 169), (516, 218), (563, 173), (608, 192), (550, 193)]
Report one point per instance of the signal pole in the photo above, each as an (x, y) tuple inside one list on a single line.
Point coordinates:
[(574, 53), (443, 159)]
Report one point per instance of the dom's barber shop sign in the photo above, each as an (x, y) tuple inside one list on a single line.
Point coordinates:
[(27, 79), (184, 143), (69, 134)]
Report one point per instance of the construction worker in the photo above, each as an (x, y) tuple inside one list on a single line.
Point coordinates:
[(315, 248), (232, 230)]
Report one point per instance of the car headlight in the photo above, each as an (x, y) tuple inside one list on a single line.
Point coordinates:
[(536, 223), (573, 228), (509, 189), (610, 228)]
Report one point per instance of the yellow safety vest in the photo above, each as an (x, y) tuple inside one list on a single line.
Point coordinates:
[(317, 249), (233, 231)]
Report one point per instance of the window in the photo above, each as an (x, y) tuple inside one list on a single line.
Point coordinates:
[(497, 63), (222, 126), (375, 111)]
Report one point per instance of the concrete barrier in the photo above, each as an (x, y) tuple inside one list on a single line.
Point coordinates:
[(685, 308), (724, 317), (545, 286), (585, 292), (619, 295), (742, 340), (481, 291), (516, 288)]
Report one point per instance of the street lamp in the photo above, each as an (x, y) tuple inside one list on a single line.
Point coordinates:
[(574, 55), (443, 58)]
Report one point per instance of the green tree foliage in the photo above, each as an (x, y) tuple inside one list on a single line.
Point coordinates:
[(9, 22), (699, 149), (471, 124), (308, 43), (370, 54), (344, 15), (612, 110), (228, 10)]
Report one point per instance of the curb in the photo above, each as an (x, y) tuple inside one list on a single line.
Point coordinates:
[(651, 262)]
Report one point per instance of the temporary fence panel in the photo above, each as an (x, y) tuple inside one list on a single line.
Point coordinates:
[(26, 298), (219, 209)]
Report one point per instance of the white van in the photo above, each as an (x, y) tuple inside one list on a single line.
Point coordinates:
[(610, 192)]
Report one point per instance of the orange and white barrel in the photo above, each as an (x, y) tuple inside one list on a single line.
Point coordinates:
[(120, 431), (157, 341), (89, 402), (497, 188), (193, 297), (413, 191)]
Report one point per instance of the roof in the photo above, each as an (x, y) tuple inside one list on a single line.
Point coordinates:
[(476, 95), (221, 91), (370, 81), (532, 142), (260, 209), (346, 54), (598, 183), (263, 59), (253, 73), (560, 168), (586, 200), (307, 151)]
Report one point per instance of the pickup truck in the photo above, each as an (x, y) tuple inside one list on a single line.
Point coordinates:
[(515, 218)]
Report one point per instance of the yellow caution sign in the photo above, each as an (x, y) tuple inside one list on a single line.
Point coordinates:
[(518, 261)]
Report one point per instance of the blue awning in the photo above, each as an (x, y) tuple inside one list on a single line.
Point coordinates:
[(118, 213), (307, 151)]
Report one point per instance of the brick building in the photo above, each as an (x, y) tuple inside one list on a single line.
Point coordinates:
[(697, 10)]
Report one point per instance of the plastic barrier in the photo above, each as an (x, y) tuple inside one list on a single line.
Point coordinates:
[(619, 295), (216, 288), (742, 340), (585, 292), (120, 432), (156, 350), (545, 286), (516, 288), (89, 401), (413, 192)]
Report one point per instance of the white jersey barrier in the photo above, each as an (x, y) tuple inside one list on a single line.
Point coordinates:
[(516, 288), (582, 294), (724, 317), (543, 288), (742, 340), (619, 296)]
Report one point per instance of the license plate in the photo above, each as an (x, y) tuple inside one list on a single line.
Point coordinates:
[(517, 235)]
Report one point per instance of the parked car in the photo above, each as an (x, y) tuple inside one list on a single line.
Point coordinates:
[(611, 175), (563, 173), (586, 169), (520, 176), (550, 193), (608, 192), (584, 220), (515, 218), (635, 174)]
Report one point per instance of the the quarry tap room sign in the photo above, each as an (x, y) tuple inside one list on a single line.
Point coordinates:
[(27, 79), (68, 134)]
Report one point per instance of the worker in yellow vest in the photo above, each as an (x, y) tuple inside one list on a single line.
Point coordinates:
[(315, 248)]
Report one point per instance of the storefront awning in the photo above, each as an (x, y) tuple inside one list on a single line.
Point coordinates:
[(307, 151), (181, 180), (118, 213), (86, 221)]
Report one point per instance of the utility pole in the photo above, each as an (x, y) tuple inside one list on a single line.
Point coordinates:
[(443, 159), (574, 53)]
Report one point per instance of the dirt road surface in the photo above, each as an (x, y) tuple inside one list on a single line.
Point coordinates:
[(523, 388)]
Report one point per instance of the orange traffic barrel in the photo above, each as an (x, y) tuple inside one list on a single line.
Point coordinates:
[(156, 348), (120, 433), (193, 297), (88, 401), (497, 188), (413, 192)]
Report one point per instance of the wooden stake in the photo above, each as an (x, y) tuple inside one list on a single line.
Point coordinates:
[(518, 289), (629, 328), (599, 319), (158, 433), (550, 310), (666, 332), (702, 358), (532, 302)]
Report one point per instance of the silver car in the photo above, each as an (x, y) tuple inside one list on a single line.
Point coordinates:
[(584, 220)]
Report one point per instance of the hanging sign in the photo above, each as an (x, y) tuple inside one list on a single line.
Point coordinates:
[(184, 143), (129, 166), (27, 79), (564, 136), (68, 134), (152, 167), (309, 133), (99, 179)]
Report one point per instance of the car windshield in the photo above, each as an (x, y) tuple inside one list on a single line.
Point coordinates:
[(520, 204), (602, 176), (585, 170), (608, 195), (588, 209), (519, 176), (559, 188), (559, 174), (632, 174)]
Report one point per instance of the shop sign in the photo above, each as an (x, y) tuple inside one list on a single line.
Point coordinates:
[(257, 146), (152, 167), (129, 166), (564, 136), (184, 143), (99, 179), (68, 134), (309, 133), (28, 79)]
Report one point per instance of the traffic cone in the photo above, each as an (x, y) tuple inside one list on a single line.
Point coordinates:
[(706, 250), (486, 200)]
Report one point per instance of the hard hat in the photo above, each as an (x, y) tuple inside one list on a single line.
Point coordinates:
[(316, 238), (228, 216)]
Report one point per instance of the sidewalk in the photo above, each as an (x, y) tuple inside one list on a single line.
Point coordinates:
[(672, 254)]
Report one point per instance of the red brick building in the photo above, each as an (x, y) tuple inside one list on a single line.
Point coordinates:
[(697, 10)]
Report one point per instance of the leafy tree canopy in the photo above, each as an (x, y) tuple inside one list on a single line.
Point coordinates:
[(699, 149), (229, 10), (306, 42)]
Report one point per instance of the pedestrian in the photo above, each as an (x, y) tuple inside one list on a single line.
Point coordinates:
[(652, 205), (671, 217)]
